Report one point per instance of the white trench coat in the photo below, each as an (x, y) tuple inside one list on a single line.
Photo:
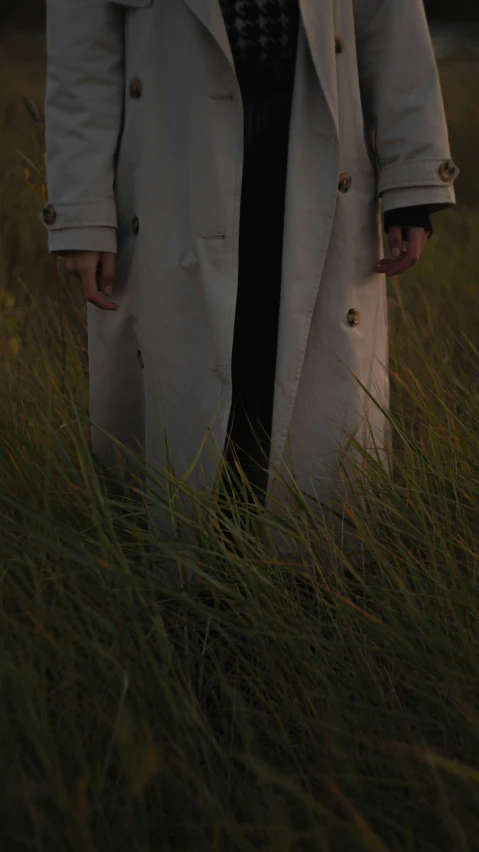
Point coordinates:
[(144, 122)]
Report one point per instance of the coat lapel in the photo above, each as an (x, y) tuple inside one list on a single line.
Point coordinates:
[(319, 27), (210, 14), (318, 21)]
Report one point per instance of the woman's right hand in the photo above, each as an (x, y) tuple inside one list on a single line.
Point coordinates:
[(96, 271)]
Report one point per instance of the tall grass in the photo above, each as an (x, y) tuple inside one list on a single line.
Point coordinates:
[(334, 707)]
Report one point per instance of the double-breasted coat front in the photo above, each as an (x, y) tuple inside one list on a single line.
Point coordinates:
[(144, 123)]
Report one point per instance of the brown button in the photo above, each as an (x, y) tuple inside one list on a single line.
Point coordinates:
[(344, 182), (354, 316), (447, 170), (338, 44), (135, 88), (140, 359), (135, 225), (49, 214)]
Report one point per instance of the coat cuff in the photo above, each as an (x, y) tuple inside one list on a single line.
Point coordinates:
[(99, 213), (82, 239), (408, 173), (437, 198)]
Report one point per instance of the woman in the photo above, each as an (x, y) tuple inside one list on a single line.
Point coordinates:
[(222, 166)]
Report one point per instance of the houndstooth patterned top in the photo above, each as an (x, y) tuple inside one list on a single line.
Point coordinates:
[(261, 29)]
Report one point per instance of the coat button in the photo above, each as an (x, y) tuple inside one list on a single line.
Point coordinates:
[(140, 359), (49, 214), (135, 225), (354, 316), (344, 182), (135, 88), (338, 44), (447, 170)]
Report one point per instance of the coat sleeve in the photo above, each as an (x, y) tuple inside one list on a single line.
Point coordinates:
[(83, 118), (402, 99)]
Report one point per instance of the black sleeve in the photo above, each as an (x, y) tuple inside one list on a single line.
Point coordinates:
[(408, 217)]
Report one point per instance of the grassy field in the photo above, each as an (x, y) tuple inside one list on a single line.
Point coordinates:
[(329, 711)]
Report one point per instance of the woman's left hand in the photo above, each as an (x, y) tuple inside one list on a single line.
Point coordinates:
[(403, 259)]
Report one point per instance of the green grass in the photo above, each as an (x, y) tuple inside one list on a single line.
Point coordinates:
[(334, 707)]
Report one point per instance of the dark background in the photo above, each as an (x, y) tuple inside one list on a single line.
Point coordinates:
[(30, 14)]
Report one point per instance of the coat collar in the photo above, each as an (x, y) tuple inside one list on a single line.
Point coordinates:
[(317, 19)]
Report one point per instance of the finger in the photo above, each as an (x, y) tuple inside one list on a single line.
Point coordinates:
[(70, 265), (387, 263), (415, 244), (409, 258), (395, 241), (90, 291), (396, 267), (391, 271), (107, 271)]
